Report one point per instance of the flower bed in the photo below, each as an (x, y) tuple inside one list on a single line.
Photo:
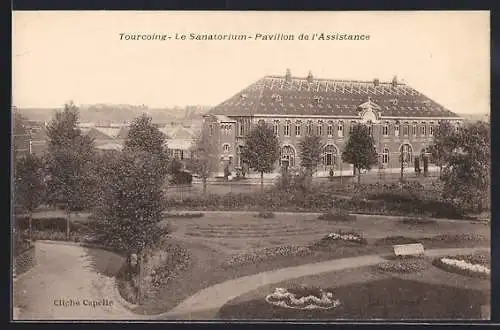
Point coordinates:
[(473, 265), (311, 299), (404, 265), (268, 253), (341, 237)]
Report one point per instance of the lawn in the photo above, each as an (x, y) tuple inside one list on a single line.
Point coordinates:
[(216, 240), (365, 293)]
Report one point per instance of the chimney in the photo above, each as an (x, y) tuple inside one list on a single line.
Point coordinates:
[(395, 81), (376, 82), (310, 77), (288, 75)]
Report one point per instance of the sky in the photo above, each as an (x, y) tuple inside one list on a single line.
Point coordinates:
[(78, 56)]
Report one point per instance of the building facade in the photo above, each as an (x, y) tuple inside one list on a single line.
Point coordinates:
[(401, 120)]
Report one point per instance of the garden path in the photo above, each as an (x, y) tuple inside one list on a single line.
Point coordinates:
[(206, 303)]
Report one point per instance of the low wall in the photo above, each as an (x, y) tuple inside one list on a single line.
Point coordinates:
[(24, 261)]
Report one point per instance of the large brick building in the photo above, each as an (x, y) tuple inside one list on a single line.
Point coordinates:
[(402, 120)]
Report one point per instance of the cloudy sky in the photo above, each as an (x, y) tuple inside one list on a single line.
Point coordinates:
[(61, 56)]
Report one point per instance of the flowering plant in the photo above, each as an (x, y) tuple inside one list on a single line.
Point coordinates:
[(284, 298), (267, 253), (476, 265), (342, 237)]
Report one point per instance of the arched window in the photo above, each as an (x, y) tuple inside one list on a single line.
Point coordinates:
[(340, 129), (309, 127), (396, 129), (385, 129), (431, 129), (423, 129), (329, 129), (298, 126), (329, 155), (414, 129), (406, 153), (369, 124), (286, 128), (320, 128), (287, 156), (406, 129), (385, 156)]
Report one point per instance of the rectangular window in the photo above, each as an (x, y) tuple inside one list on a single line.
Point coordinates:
[(340, 130), (211, 129), (406, 129), (431, 129), (414, 129), (309, 128), (297, 128), (330, 129), (286, 129), (242, 128), (276, 127), (423, 130), (320, 128), (396, 130), (385, 129)]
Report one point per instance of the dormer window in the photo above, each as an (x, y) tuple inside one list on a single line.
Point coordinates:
[(243, 96), (394, 102), (276, 98)]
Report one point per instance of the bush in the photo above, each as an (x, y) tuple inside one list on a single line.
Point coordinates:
[(265, 215), (405, 266), (417, 221), (349, 238), (48, 224), (337, 215), (184, 215), (181, 177), (397, 240)]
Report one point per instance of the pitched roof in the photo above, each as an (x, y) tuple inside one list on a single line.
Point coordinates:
[(180, 144), (302, 96), (123, 133), (96, 134), (109, 131), (110, 146), (178, 132)]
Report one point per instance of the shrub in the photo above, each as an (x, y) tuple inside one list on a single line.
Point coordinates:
[(406, 265), (181, 177), (184, 215), (51, 224), (337, 215), (417, 221), (265, 215), (396, 240)]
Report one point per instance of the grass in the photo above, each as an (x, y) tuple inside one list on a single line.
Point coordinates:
[(389, 298)]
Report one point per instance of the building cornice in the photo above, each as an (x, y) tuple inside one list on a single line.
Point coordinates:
[(351, 117)]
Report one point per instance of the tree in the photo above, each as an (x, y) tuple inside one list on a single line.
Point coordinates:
[(310, 153), (174, 166), (466, 168), (261, 150), (360, 149), (144, 136), (203, 161), (441, 147), (29, 187), (131, 203), (69, 162), (129, 214)]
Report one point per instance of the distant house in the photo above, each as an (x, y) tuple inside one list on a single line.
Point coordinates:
[(179, 140)]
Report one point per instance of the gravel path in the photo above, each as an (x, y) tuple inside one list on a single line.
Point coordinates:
[(70, 273)]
